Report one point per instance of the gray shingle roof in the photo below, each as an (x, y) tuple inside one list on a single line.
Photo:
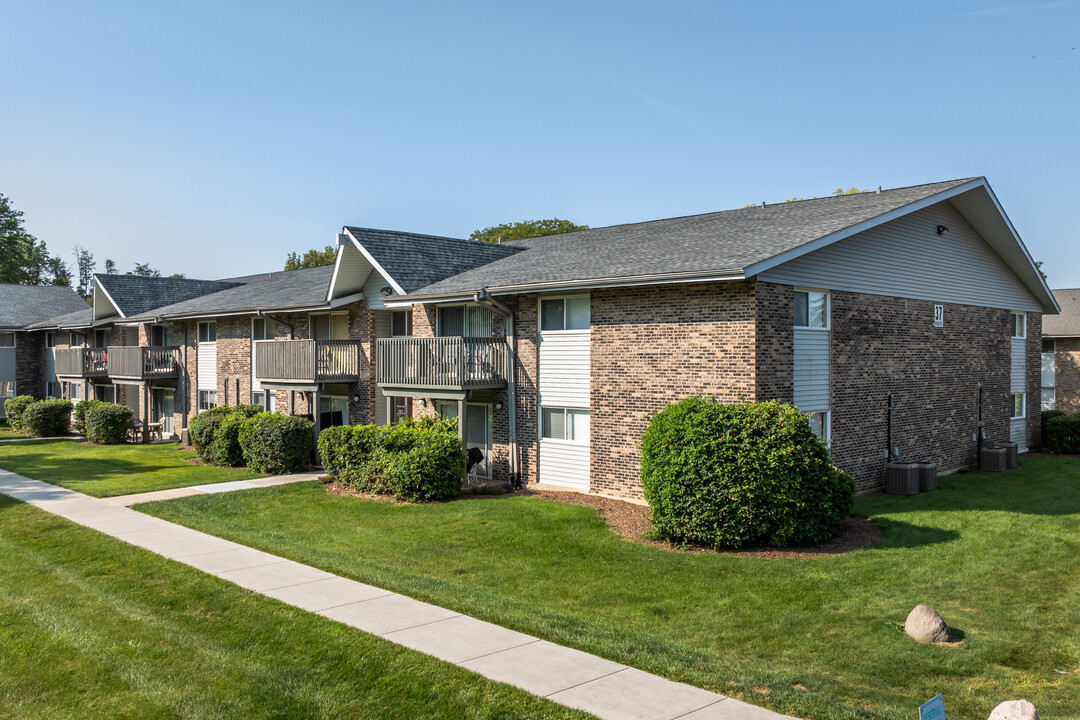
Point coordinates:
[(415, 260), (1067, 323), (287, 288), (135, 294), (78, 319), (719, 242), (23, 305)]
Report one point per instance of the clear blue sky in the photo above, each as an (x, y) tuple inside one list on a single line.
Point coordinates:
[(212, 138)]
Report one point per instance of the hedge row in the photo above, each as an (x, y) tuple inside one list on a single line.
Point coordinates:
[(415, 461), (1061, 432), (107, 423), (40, 418), (742, 474), (267, 442), (14, 409)]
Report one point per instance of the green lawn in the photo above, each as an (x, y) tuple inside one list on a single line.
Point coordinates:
[(7, 432), (107, 470), (997, 555), (93, 627)]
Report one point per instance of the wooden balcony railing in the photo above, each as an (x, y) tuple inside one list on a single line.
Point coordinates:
[(442, 363), (130, 362), (82, 362), (307, 361)]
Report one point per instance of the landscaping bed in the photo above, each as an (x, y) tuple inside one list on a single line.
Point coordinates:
[(815, 637), (93, 627), (108, 470)]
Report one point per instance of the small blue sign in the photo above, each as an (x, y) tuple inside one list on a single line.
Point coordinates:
[(932, 709)]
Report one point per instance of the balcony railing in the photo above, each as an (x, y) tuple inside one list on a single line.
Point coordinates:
[(128, 362), (82, 362), (307, 361), (442, 363)]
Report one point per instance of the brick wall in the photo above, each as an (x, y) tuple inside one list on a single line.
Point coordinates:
[(655, 345), (775, 335), (30, 364), (1034, 379), (1067, 374), (885, 345)]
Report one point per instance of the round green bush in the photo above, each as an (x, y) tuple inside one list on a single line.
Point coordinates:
[(277, 444), (14, 408), (47, 418), (1063, 434), (81, 408), (108, 423), (216, 433), (749, 473)]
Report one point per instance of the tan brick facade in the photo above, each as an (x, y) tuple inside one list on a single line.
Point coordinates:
[(1067, 374)]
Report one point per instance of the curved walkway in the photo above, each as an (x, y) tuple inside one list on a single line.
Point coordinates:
[(570, 677)]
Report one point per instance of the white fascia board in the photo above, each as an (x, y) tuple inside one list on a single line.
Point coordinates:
[(346, 300), (333, 278), (760, 267), (382, 271), (115, 306), (244, 311)]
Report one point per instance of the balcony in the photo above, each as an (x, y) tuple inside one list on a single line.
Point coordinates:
[(305, 362), (442, 363), (82, 362), (127, 362)]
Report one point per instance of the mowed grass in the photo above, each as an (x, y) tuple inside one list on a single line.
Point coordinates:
[(108, 470), (93, 627), (997, 554), (7, 432)]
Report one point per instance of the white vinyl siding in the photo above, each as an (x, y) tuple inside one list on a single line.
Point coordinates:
[(207, 366), (1049, 374), (907, 258), (564, 378), (1018, 385)]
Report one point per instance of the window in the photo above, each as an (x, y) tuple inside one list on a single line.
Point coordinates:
[(52, 389), (265, 399), (333, 411), (811, 309), (102, 338), (105, 393), (207, 399), (332, 326), (819, 424), (7, 339), (7, 388), (1019, 325), (1018, 405), (262, 329), (566, 424), (1049, 398), (161, 336), (570, 313), (463, 321), (207, 332), (451, 321), (939, 316), (75, 390), (401, 323), (50, 341), (1048, 345), (75, 340)]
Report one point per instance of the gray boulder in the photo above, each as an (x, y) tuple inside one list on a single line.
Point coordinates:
[(1015, 710), (925, 625)]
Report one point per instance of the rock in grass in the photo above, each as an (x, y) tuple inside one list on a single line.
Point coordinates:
[(925, 625), (1015, 710)]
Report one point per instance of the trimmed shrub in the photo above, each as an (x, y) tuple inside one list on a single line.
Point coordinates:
[(108, 423), (414, 461), (14, 409), (216, 433), (47, 418), (1062, 434), (732, 475), (1044, 418), (81, 408), (277, 444)]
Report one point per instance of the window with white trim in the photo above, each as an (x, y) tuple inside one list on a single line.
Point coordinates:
[(7, 388), (266, 399), (1019, 325), (208, 332), (207, 399), (819, 424), (1018, 405), (330, 326), (811, 309), (50, 341), (570, 424), (52, 389), (568, 313), (401, 323), (7, 339), (262, 328)]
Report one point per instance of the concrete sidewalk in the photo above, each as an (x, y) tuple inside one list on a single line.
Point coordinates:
[(570, 677), (129, 500)]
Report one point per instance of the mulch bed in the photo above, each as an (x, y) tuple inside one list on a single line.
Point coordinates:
[(631, 521)]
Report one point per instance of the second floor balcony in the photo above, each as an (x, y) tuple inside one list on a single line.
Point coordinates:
[(443, 363), (82, 362), (305, 362), (128, 362)]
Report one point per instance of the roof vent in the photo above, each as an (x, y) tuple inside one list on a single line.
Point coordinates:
[(341, 239), (878, 189)]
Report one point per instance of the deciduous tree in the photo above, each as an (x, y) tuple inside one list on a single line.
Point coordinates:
[(525, 229)]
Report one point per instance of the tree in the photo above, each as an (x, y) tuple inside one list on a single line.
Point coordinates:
[(84, 264), (178, 276), (110, 267), (312, 258), (24, 259), (525, 229), (144, 270)]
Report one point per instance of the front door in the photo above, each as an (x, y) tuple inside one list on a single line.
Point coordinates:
[(478, 432), (161, 410)]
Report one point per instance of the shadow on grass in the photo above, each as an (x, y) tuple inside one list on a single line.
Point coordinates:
[(902, 535), (50, 465)]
